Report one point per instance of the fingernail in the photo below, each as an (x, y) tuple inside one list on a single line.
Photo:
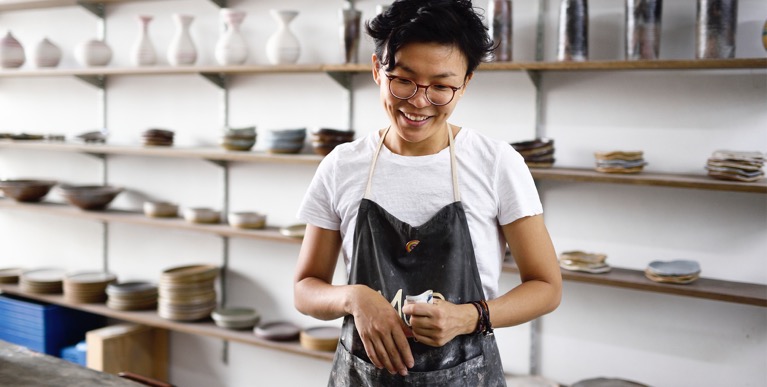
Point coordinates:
[(403, 372)]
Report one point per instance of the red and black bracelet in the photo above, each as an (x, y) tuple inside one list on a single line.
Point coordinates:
[(483, 322)]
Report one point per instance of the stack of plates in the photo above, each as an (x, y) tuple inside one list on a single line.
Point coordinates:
[(41, 281), (676, 272), (132, 296), (158, 137), (241, 139), (620, 162), (538, 153), (733, 165), (320, 338), (9, 275), (585, 262), (286, 141), (235, 318), (187, 293), (87, 287)]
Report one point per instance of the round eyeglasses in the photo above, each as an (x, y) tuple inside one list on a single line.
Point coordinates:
[(438, 95)]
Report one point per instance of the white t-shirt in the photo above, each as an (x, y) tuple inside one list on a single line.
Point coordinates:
[(495, 185)]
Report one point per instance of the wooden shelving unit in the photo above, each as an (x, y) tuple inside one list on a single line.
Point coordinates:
[(151, 318), (137, 218), (675, 64), (211, 153), (650, 179), (711, 289)]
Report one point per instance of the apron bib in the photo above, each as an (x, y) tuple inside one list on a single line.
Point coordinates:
[(398, 259)]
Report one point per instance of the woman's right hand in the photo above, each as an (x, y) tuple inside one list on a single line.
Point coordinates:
[(382, 331)]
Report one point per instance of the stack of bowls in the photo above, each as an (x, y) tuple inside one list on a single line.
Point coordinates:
[(187, 293), (26, 190), (87, 287), (132, 296), (158, 137), (89, 197), (241, 139), (235, 318), (325, 140), (160, 209), (286, 141), (247, 220)]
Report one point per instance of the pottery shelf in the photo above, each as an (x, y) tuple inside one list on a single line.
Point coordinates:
[(706, 288), (151, 318), (210, 153), (700, 181), (673, 64), (137, 218)]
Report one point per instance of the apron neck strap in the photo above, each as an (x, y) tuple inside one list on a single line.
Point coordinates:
[(453, 164)]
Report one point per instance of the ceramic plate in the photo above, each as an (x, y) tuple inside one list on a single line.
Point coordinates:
[(676, 268)]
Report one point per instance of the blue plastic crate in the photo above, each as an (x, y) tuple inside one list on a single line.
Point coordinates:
[(76, 353), (44, 327)]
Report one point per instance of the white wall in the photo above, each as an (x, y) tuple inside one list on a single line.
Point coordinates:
[(678, 118)]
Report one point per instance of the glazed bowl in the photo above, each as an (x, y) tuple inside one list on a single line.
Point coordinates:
[(237, 142), (89, 197), (235, 318), (155, 209), (248, 220), (201, 215), (289, 134), (26, 190)]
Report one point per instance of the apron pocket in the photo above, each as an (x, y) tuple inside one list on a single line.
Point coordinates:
[(349, 370)]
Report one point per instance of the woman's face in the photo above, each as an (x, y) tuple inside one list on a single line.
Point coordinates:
[(416, 121)]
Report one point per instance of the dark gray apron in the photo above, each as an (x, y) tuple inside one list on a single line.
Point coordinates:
[(398, 259)]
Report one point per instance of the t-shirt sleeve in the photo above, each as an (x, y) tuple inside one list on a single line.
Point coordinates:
[(317, 207), (514, 185)]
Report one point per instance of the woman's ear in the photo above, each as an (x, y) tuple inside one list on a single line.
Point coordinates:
[(376, 66)]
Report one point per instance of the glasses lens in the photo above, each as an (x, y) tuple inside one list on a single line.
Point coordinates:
[(402, 88), (439, 94)]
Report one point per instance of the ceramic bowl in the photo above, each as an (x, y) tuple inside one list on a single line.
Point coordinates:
[(237, 143), (251, 220), (89, 197), (154, 209), (26, 190), (245, 131), (332, 135), (201, 215), (289, 134), (235, 318)]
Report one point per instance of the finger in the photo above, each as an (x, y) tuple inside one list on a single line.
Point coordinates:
[(395, 359), (372, 355), (404, 347)]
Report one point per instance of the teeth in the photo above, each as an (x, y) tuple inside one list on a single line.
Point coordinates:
[(415, 117)]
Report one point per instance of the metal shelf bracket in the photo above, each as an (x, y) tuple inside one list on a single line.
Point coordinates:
[(94, 8), (99, 81), (343, 78), (217, 79), (220, 3)]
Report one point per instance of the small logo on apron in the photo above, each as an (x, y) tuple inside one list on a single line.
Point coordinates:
[(411, 245)]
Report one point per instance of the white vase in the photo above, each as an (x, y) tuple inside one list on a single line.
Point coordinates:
[(11, 52), (93, 53), (283, 46), (46, 54), (143, 53), (231, 48), (182, 50)]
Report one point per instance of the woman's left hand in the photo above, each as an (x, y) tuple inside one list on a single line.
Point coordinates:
[(438, 323)]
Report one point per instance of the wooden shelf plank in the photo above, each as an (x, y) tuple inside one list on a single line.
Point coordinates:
[(706, 288), (216, 154), (151, 318), (651, 179), (668, 64), (137, 218), (252, 69)]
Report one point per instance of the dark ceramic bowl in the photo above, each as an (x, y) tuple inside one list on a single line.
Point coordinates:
[(89, 197), (26, 190)]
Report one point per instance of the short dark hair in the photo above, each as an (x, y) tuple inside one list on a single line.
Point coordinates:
[(449, 22)]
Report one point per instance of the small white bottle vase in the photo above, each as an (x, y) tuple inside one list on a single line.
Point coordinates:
[(143, 53), (11, 52), (93, 53), (182, 50), (283, 47), (231, 48), (46, 54)]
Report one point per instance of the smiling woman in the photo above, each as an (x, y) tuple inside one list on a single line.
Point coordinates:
[(424, 205)]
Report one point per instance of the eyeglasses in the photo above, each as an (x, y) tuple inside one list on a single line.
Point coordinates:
[(438, 95)]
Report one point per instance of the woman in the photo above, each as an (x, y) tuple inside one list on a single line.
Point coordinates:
[(424, 205)]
